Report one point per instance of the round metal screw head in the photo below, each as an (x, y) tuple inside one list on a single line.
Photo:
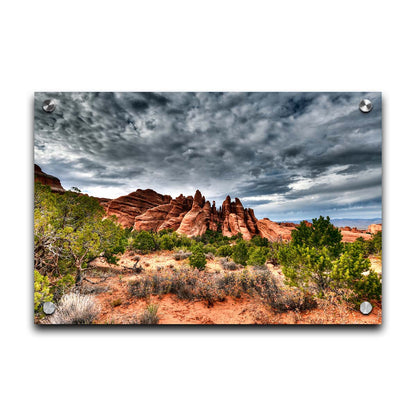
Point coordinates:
[(366, 105), (48, 106), (49, 308), (366, 308)]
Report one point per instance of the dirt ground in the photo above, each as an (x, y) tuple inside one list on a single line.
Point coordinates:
[(119, 307)]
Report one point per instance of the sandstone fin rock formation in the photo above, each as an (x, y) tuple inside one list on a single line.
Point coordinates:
[(192, 216)]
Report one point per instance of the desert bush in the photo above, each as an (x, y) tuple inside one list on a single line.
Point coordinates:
[(42, 291), (210, 248), (258, 256), (144, 242), (284, 301), (93, 289), (321, 234), (240, 253), (306, 267), (149, 316), (167, 241), (228, 264), (352, 272), (209, 256), (70, 231), (225, 251), (62, 286), (181, 255), (141, 288), (378, 242), (75, 309), (259, 241), (230, 284), (197, 259)]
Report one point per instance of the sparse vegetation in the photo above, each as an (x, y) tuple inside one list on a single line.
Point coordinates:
[(149, 316), (75, 309)]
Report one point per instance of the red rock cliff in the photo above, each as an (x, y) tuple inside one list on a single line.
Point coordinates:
[(45, 179)]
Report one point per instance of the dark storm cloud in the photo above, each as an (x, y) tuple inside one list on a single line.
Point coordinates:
[(280, 152)]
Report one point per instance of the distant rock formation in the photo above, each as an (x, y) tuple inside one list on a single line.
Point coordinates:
[(374, 228), (192, 216), (45, 179), (274, 231)]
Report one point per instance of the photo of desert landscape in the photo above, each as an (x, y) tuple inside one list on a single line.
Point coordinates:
[(258, 208)]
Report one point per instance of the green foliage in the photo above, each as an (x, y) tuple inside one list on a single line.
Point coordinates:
[(225, 251), (62, 286), (319, 235), (42, 291), (352, 272), (210, 248), (197, 259), (258, 256), (144, 242), (240, 253), (378, 242), (167, 242), (306, 267), (259, 241), (273, 255), (69, 232), (318, 262)]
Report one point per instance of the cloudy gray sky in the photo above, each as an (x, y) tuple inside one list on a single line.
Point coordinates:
[(286, 155)]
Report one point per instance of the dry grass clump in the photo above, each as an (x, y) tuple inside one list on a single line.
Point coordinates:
[(228, 264), (285, 301), (149, 316), (75, 309), (93, 289), (181, 255)]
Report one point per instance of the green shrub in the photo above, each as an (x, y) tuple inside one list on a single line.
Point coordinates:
[(225, 251), (352, 272), (209, 248), (144, 242), (167, 242), (197, 259), (42, 291), (62, 286), (258, 256), (306, 267), (240, 253), (321, 234), (259, 241), (378, 242)]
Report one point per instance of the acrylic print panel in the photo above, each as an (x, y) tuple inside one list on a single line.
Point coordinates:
[(207, 208)]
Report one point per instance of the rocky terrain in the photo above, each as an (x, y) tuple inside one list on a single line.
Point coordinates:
[(49, 180), (193, 216)]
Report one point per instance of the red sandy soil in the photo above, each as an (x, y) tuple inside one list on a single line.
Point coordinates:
[(119, 307)]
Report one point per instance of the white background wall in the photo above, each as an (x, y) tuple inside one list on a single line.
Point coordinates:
[(216, 45)]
